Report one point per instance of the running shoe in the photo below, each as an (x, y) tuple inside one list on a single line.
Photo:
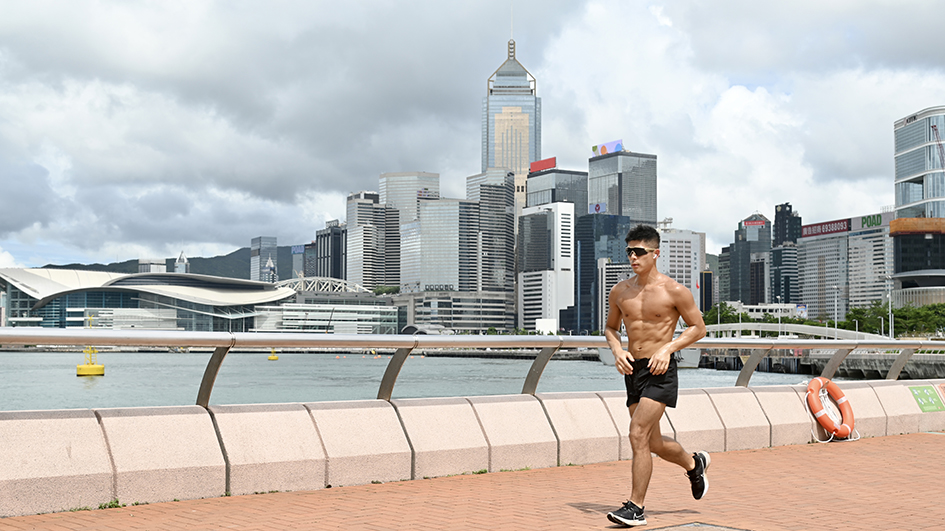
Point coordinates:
[(629, 515), (697, 477)]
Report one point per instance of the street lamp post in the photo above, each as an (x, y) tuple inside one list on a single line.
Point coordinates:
[(889, 298), (836, 328)]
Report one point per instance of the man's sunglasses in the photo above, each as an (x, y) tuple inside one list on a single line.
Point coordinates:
[(639, 251)]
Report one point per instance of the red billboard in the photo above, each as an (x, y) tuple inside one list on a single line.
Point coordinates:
[(544, 164), (754, 223), (830, 227)]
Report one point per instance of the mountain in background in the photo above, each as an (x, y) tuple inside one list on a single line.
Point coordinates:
[(233, 265)]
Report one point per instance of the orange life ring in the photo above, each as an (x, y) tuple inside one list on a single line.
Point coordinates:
[(845, 428)]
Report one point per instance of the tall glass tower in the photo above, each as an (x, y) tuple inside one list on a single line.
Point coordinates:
[(920, 174), (511, 122)]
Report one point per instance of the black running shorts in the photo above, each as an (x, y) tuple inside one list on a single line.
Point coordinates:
[(660, 387)]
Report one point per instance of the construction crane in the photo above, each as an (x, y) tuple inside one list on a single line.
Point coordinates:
[(941, 151)]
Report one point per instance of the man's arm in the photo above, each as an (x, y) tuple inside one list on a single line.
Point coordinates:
[(612, 333), (687, 309)]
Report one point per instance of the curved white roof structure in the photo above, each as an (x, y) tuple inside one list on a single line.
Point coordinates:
[(46, 285)]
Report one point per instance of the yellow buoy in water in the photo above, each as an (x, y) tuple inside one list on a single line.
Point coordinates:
[(91, 366), (272, 355)]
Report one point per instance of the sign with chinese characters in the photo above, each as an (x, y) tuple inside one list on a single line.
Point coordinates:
[(927, 398), (830, 227)]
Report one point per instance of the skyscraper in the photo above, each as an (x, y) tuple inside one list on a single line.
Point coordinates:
[(920, 193), (326, 258), (752, 237), (920, 173), (404, 191), (260, 250), (623, 183), (494, 191), (787, 225), (545, 262), (372, 257), (511, 122)]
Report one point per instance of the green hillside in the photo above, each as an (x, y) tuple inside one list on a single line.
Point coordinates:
[(233, 265)]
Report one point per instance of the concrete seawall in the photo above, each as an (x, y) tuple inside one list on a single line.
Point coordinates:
[(69, 459)]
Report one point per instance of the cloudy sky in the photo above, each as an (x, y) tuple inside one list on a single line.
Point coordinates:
[(132, 129)]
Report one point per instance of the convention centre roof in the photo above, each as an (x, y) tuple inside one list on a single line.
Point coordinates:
[(46, 285)]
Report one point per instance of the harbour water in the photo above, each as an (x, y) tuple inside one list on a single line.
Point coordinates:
[(47, 380)]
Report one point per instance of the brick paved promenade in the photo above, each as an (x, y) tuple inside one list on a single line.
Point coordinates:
[(890, 483)]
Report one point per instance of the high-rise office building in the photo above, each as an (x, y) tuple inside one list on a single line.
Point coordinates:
[(919, 230), (260, 250), (373, 242), (182, 265), (682, 257), (787, 225), (623, 183), (753, 236), (326, 257), (298, 260), (405, 190), (494, 191), (920, 174), (440, 247), (844, 264), (511, 122), (783, 280), (545, 262), (555, 185), (597, 236), (152, 265)]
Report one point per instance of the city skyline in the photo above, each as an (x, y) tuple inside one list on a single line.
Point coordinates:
[(155, 129)]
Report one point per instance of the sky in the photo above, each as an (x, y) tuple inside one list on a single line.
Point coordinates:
[(146, 129)]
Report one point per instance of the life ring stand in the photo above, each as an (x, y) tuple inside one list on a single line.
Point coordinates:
[(817, 391)]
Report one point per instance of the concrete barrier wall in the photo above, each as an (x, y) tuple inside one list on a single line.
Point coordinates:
[(616, 403), (364, 441), (786, 412), (585, 431), (163, 453), (52, 461), (61, 460), (444, 436), (269, 447), (517, 432), (697, 423)]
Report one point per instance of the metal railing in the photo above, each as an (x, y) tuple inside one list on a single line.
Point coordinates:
[(223, 342)]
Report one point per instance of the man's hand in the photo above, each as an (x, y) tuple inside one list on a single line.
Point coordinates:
[(623, 362), (659, 362)]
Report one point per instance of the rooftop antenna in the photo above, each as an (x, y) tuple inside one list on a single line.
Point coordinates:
[(511, 19)]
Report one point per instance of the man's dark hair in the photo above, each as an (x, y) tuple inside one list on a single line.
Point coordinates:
[(644, 233)]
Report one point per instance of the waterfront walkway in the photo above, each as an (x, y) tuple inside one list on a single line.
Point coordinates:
[(891, 483)]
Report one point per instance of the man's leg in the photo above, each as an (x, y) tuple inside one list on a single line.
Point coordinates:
[(644, 424)]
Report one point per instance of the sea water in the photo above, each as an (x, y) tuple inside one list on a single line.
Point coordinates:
[(47, 380)]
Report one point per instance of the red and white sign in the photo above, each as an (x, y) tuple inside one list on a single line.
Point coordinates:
[(597, 208), (830, 227), (754, 223)]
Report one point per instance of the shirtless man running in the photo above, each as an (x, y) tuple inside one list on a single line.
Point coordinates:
[(649, 304)]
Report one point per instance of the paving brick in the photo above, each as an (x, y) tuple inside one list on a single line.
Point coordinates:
[(757, 490)]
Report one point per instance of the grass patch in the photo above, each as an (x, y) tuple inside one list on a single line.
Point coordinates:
[(114, 504)]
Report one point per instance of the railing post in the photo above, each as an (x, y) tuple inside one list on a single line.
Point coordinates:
[(749, 367), (538, 367), (210, 375), (390, 375), (900, 363), (834, 363)]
